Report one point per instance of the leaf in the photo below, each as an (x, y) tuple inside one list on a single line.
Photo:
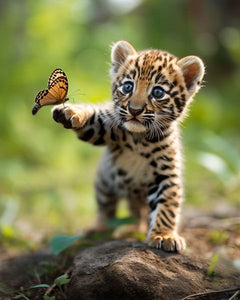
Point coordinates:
[(61, 242), (119, 222), (212, 265), (63, 279), (40, 286)]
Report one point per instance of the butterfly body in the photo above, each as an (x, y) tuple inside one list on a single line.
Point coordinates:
[(56, 93)]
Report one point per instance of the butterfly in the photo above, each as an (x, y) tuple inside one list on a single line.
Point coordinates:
[(56, 93)]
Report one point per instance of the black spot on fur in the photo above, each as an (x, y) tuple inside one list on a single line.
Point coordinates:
[(162, 201), (153, 163), (165, 224), (166, 217), (113, 136), (178, 103), (99, 141), (153, 203), (91, 121), (133, 73), (159, 178), (152, 74), (121, 172), (173, 94), (174, 203), (138, 67), (165, 167), (156, 149), (87, 135), (115, 148), (171, 213), (165, 63), (127, 180), (165, 157), (129, 147), (175, 82), (102, 129), (153, 189), (158, 77), (124, 138), (146, 155), (164, 188)]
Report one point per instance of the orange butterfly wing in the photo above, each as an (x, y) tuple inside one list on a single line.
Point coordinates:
[(56, 92), (55, 74)]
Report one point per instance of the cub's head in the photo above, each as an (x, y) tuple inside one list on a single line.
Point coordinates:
[(152, 88)]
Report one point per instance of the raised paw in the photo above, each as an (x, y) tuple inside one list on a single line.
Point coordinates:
[(67, 115), (170, 242)]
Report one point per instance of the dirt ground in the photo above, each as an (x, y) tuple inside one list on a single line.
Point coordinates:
[(212, 238)]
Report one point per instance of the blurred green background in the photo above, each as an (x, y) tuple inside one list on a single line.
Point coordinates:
[(46, 174)]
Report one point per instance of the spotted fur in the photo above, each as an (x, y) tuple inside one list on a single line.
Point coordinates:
[(142, 157)]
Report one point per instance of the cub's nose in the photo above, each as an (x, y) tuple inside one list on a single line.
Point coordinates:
[(135, 111)]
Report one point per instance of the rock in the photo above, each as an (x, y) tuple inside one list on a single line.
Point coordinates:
[(125, 270)]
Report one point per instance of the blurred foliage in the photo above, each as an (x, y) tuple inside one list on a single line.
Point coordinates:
[(61, 242), (218, 236), (46, 174), (212, 264)]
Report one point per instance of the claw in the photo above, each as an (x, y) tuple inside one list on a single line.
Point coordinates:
[(167, 242)]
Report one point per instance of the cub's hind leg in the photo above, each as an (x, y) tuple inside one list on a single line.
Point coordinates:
[(106, 204), (107, 194), (139, 209)]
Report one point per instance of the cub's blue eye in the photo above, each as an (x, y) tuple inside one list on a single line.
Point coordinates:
[(158, 93), (127, 87)]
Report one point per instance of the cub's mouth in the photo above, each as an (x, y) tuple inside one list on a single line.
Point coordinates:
[(134, 125)]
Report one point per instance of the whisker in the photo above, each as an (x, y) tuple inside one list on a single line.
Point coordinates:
[(148, 115)]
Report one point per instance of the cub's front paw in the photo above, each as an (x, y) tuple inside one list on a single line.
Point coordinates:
[(170, 242), (58, 114), (67, 115)]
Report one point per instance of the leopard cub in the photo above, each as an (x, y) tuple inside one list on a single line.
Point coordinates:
[(151, 92)]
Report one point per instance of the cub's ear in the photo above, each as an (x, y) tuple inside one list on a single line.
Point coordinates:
[(120, 51), (193, 71)]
